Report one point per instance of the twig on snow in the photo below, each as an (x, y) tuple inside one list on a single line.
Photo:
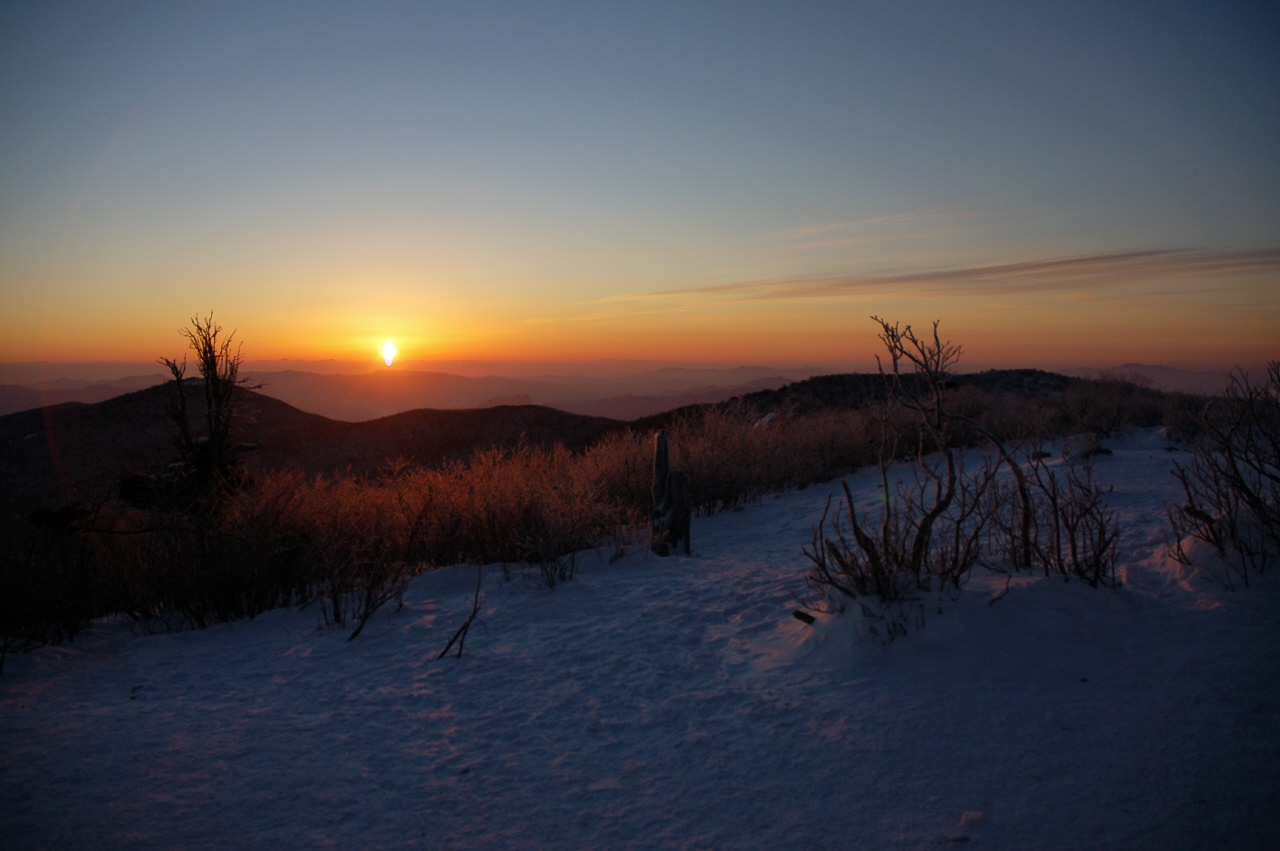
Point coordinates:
[(477, 603)]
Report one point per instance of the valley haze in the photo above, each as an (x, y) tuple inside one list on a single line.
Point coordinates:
[(345, 392)]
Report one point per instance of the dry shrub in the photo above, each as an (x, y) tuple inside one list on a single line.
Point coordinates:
[(938, 521), (979, 416), (928, 533), (621, 465), (173, 570), (925, 538), (1232, 484), (529, 506), (1102, 406), (1076, 534), (1183, 416), (733, 457), (1106, 406)]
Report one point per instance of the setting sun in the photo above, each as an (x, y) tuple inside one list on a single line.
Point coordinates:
[(388, 352)]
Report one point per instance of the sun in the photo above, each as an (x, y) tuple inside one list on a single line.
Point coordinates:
[(388, 352)]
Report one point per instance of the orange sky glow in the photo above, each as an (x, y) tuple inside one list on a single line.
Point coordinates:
[(1060, 188)]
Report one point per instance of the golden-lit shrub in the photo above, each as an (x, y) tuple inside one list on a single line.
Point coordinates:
[(735, 457)]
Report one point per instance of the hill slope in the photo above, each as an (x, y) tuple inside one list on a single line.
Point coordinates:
[(72, 451), (68, 451)]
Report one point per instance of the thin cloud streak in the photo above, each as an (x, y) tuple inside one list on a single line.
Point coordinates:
[(1051, 275)]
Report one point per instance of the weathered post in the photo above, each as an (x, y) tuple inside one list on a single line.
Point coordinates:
[(661, 479), (661, 470), (681, 516), (671, 514)]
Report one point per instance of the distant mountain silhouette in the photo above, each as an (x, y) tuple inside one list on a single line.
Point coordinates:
[(1169, 378), (15, 397), (631, 407), (74, 451), (848, 391), (356, 398), (367, 396)]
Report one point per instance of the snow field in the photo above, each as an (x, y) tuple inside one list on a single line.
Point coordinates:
[(675, 703)]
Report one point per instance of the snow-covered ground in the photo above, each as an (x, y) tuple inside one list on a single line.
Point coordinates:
[(675, 703)]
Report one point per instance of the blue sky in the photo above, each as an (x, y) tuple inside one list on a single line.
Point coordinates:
[(485, 179)]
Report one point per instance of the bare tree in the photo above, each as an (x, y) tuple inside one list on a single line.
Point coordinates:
[(208, 458)]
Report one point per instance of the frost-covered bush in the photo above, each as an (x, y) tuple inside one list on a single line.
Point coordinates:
[(733, 457)]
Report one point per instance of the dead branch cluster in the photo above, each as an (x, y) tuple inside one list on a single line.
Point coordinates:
[(934, 519), (1231, 486), (203, 434)]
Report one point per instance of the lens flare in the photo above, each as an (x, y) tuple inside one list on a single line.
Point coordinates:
[(388, 352)]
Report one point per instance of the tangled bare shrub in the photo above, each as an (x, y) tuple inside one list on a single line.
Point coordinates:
[(917, 547), (930, 525), (1232, 483), (1075, 532), (939, 521)]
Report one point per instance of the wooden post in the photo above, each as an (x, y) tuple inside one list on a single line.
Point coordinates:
[(661, 469), (671, 514), (681, 516)]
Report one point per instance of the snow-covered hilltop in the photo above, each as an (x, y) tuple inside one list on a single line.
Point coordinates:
[(659, 703)]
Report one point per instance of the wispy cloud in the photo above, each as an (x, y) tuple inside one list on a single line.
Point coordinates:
[(1082, 273)]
